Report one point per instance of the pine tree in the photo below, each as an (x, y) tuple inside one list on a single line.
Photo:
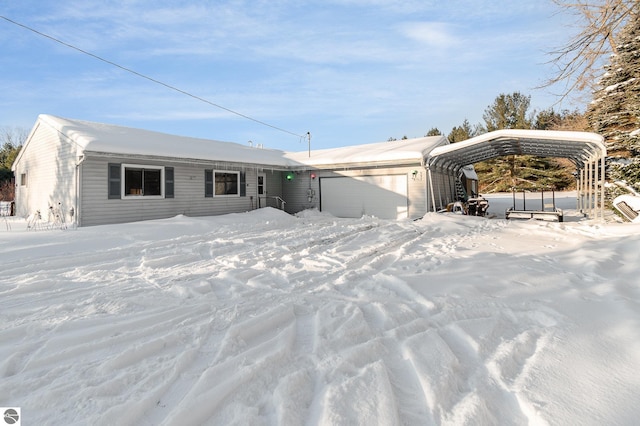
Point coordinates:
[(524, 171), (508, 112), (615, 110), (464, 131)]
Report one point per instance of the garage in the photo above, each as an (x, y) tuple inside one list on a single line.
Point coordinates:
[(383, 196)]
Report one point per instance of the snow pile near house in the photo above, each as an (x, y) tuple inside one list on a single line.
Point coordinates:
[(266, 318)]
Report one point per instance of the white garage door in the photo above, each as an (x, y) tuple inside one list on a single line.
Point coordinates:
[(381, 196)]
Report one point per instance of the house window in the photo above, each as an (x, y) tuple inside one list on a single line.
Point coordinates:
[(227, 183), (23, 179), (224, 184), (146, 181)]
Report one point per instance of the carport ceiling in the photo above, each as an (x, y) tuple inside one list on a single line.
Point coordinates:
[(579, 147)]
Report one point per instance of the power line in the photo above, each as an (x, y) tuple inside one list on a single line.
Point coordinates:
[(129, 70)]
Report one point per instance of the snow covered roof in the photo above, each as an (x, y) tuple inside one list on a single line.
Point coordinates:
[(391, 152), (577, 146), (112, 139)]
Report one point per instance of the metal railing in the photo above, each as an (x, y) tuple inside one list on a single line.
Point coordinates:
[(277, 202)]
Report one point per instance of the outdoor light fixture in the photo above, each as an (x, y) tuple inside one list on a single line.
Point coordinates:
[(290, 176), (313, 175)]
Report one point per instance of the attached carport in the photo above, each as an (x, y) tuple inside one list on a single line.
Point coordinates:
[(587, 151)]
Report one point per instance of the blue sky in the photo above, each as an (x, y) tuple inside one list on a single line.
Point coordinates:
[(347, 71)]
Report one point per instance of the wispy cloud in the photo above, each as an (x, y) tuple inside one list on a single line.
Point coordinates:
[(432, 34), (366, 64)]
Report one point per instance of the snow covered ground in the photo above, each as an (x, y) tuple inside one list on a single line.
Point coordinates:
[(265, 318)]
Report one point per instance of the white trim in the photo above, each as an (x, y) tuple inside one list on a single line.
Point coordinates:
[(123, 179), (264, 184), (237, 173)]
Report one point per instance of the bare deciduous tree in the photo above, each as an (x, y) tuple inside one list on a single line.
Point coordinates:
[(579, 62)]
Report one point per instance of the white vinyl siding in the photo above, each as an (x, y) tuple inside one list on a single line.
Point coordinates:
[(188, 193), (48, 165)]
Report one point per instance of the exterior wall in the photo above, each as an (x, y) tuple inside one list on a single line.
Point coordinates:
[(49, 164), (298, 198), (189, 192), (295, 191)]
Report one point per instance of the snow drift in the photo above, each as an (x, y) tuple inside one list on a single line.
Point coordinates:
[(265, 318)]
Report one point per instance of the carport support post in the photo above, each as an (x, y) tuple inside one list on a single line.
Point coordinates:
[(592, 187), (587, 182), (596, 192), (441, 183), (430, 187), (580, 173), (602, 192), (581, 184), (589, 190)]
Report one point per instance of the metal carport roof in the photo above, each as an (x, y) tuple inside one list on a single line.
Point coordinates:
[(587, 151)]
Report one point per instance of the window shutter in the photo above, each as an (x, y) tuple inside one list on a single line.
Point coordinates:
[(168, 182), (208, 183), (243, 184), (114, 181)]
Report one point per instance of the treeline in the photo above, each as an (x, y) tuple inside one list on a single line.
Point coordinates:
[(512, 111), (608, 32)]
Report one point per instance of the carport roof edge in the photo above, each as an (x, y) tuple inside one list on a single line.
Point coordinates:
[(577, 146)]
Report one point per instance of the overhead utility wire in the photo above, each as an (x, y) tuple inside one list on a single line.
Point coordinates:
[(150, 78)]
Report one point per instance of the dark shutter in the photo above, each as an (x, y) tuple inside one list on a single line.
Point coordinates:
[(243, 184), (114, 181), (168, 182), (208, 183)]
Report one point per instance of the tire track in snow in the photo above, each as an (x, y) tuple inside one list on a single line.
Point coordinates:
[(464, 404), (318, 320), (144, 350), (250, 349)]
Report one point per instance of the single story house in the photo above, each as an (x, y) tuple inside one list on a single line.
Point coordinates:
[(92, 173), (95, 173)]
